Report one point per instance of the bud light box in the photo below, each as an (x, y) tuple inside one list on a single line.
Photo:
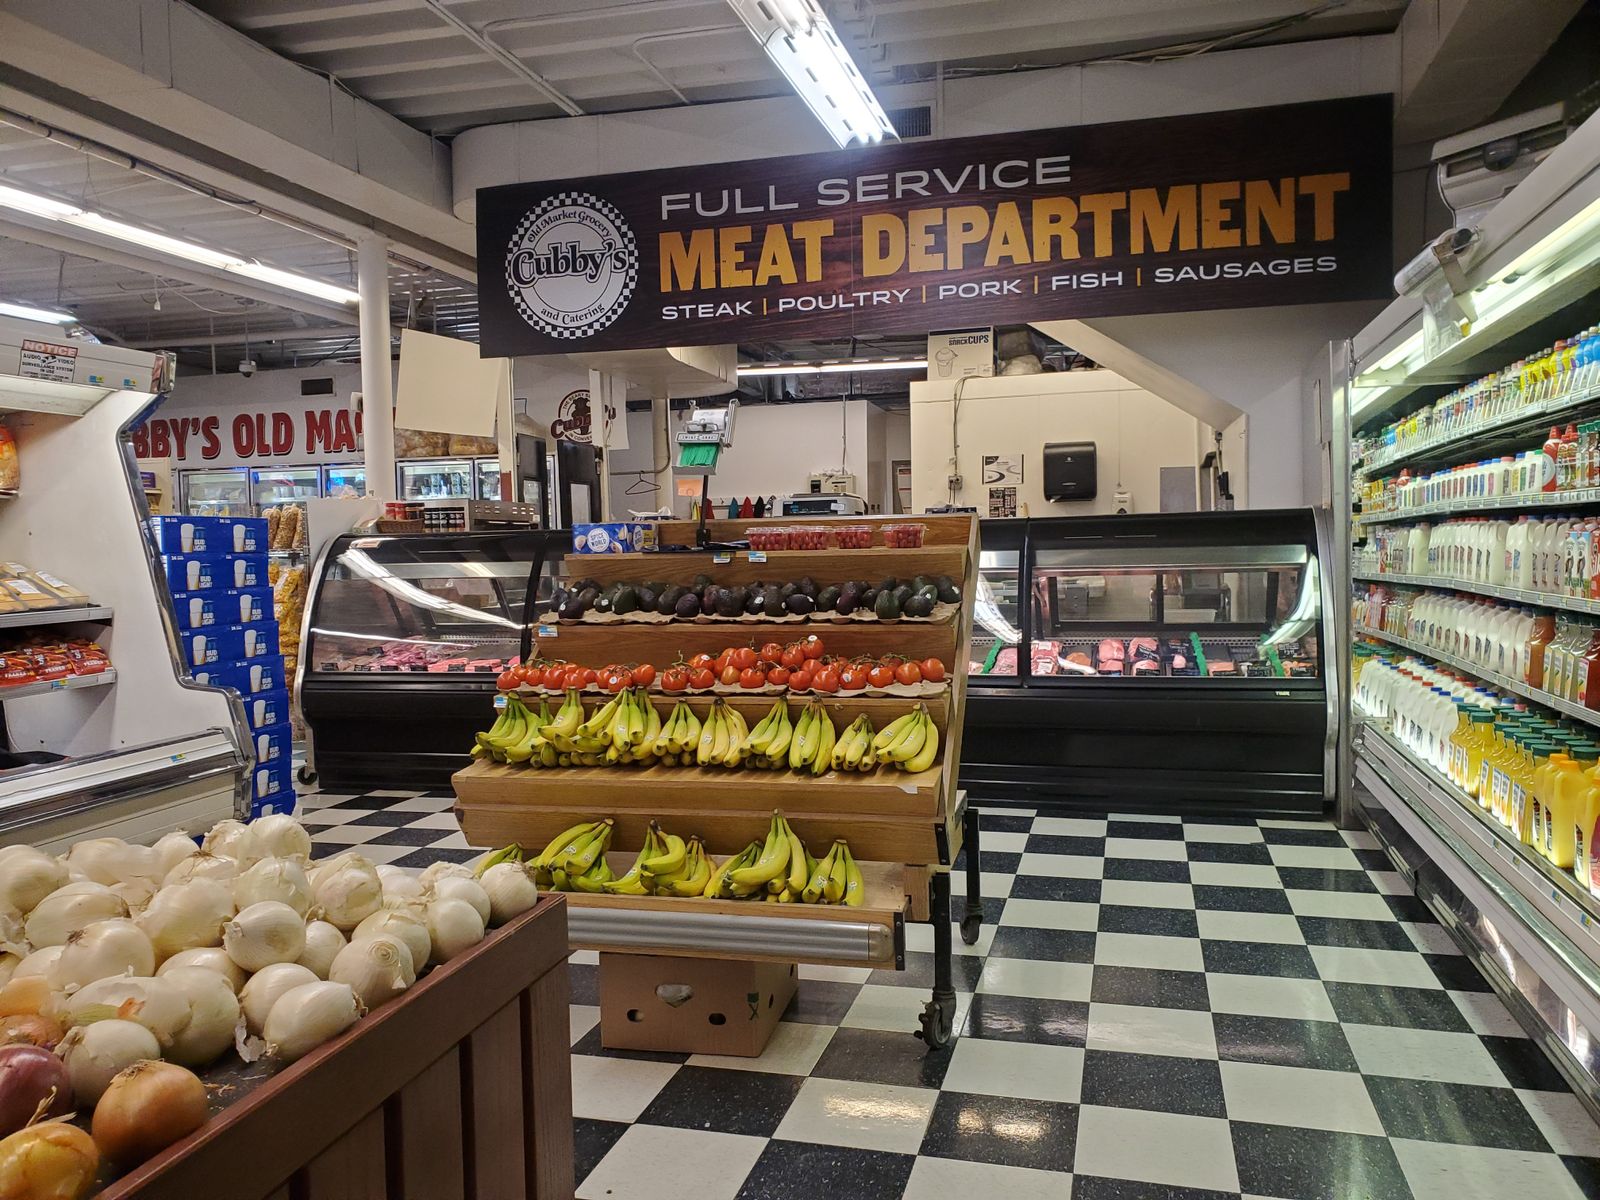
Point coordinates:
[(271, 778), (614, 537), (268, 709), (246, 678), (283, 802), (273, 745), (229, 643), (209, 535)]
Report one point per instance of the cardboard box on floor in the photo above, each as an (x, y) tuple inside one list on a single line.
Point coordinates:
[(691, 1005)]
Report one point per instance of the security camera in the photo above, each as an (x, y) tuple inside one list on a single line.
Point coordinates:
[(247, 367)]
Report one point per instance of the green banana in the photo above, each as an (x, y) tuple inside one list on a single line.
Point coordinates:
[(593, 880)]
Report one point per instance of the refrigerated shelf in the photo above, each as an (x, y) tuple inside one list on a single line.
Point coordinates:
[(1515, 595), (1530, 415)]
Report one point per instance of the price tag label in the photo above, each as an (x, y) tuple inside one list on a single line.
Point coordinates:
[(500, 699), (722, 558), (758, 556), (548, 631)]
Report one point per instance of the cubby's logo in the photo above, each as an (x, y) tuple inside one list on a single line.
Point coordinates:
[(572, 265)]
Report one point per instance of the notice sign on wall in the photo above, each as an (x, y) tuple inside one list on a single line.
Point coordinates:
[(1239, 209)]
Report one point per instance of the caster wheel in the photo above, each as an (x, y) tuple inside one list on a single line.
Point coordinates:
[(970, 924), (937, 1019), (306, 776)]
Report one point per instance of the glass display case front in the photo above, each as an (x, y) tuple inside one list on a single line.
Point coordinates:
[(282, 485), (221, 493), (344, 480), (435, 478), (486, 478)]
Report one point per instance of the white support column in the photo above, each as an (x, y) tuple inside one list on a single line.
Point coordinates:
[(377, 370)]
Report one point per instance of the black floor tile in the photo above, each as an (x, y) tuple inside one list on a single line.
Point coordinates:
[(1164, 922), (1585, 1173), (1004, 823), (1406, 1007), (1324, 879), (583, 981), (1374, 860), (997, 1129), (1409, 908), (1147, 870), (1230, 852), (1046, 887), (1458, 1113), (1283, 1042), (1146, 831), (1312, 835), (821, 1001), (1045, 945), (723, 1101), (1258, 958), (392, 819), (964, 972), (1051, 843), (1161, 1082), (874, 1056), (1457, 973), (1216, 898), (408, 837), (1152, 989), (1354, 934), (996, 861), (321, 850), (591, 1140), (589, 1043), (1093, 1187), (1312, 1164), (1524, 1064), (1027, 1019), (803, 1171), (432, 854), (367, 800), (993, 906)]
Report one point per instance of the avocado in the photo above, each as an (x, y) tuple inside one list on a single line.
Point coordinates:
[(828, 597), (730, 602), (602, 603), (920, 605), (887, 585), (799, 604), (808, 586), (583, 585), (869, 597), (902, 594), (930, 592), (753, 602), (920, 582), (708, 601), (558, 597), (702, 582), (625, 601), (647, 597), (887, 608), (667, 602), (849, 600), (688, 605), (788, 590), (948, 592), (772, 604)]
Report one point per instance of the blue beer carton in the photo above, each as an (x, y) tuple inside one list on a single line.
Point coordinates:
[(248, 605), (271, 779), (253, 678), (275, 744), (246, 571), (229, 606), (230, 643), (266, 709), (189, 573), (209, 535), (198, 610), (283, 802)]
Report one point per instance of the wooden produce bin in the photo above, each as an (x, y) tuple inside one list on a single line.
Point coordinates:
[(459, 1090), (905, 830)]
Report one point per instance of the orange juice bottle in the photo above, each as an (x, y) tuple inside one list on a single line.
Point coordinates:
[(1543, 794), (1477, 743), (1573, 793)]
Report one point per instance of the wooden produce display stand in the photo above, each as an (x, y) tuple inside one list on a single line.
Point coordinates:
[(461, 1089), (905, 830)]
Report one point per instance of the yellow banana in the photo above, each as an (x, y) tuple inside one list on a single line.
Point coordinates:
[(778, 747), (855, 890), (822, 757), (719, 737), (671, 857), (797, 743), (690, 737), (589, 852), (501, 721), (772, 863), (599, 719), (570, 716), (797, 861), (706, 745), (838, 874), (665, 742), (762, 733), (593, 880), (636, 707), (717, 886), (924, 757), (893, 731), (818, 880), (738, 731), (565, 843), (694, 881), (907, 745)]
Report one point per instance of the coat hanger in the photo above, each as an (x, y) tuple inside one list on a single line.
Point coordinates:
[(642, 485)]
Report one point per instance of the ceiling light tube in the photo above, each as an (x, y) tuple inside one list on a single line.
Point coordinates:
[(801, 42), (835, 368), (28, 313)]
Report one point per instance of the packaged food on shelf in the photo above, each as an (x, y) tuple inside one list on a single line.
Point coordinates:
[(852, 537), (614, 537), (38, 659), (769, 537), (904, 536), (10, 464), (247, 678)]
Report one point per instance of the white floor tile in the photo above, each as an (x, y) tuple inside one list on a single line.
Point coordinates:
[(1486, 1013), (1062, 866), (310, 800), (1423, 1054), (995, 1068), (1144, 1030), (428, 804), (1171, 849), (1390, 883), (956, 1179), (1070, 826), (1273, 1095), (382, 855), (316, 818), (1148, 950), (1224, 874), (1223, 926), (998, 842), (835, 974), (1360, 839), (1397, 968), (439, 820), (1237, 835), (1268, 996), (1148, 818), (455, 841), (1142, 894), (1563, 1120), (868, 1116), (582, 1018), (615, 1089), (794, 1050), (1354, 906), (895, 1009), (1430, 938), (1327, 857), (1437, 1171), (392, 794), (1051, 914), (1036, 980), (1154, 1147), (1288, 823), (584, 958), (992, 885), (709, 1166)]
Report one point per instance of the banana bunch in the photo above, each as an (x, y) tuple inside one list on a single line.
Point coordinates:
[(910, 742), (552, 744), (811, 747), (511, 736), (767, 745), (835, 880), (666, 866), (679, 737), (722, 737), (853, 751), (575, 859)]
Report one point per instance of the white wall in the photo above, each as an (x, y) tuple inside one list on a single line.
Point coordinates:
[(1135, 434)]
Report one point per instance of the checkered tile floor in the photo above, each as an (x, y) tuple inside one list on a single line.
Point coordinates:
[(1158, 1010)]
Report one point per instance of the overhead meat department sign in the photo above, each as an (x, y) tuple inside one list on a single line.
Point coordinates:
[(1239, 209)]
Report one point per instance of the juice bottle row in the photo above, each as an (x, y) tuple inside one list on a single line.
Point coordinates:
[(1568, 460), (1558, 555)]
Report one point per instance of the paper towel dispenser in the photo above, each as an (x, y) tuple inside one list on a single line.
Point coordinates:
[(1069, 471)]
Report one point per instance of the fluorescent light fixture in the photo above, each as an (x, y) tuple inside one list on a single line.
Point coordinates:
[(802, 43), (217, 260), (835, 368), (28, 313)]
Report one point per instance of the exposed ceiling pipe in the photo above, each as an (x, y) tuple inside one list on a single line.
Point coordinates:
[(672, 36), (505, 58)]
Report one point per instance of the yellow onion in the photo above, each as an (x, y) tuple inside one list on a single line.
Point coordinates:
[(29, 1029), (49, 1161), (147, 1108)]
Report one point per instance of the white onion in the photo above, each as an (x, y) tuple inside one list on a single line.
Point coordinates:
[(111, 860), (41, 962), (206, 958), (265, 933), (13, 932), (281, 836), (349, 894), (8, 966), (433, 872), (136, 893), (454, 926), (27, 876), (377, 968), (68, 909), (184, 916), (323, 943), (327, 866), (93, 1054), (408, 924), (282, 879), (452, 887), (399, 884), (203, 866), (157, 1004), (104, 949), (213, 1017), (266, 985), (232, 839), (306, 1016), (510, 889), (172, 848)]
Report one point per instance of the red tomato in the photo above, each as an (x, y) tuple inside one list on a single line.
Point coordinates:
[(723, 661), (752, 677), (853, 678), (881, 675), (674, 679), (700, 660), (586, 676), (827, 679), (530, 676), (908, 672), (771, 653), (509, 679), (811, 647), (744, 658), (780, 675), (729, 676), (933, 670), (614, 681), (793, 657), (800, 680), (644, 675), (701, 678)]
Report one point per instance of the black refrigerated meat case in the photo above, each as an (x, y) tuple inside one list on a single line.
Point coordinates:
[(1162, 663), (404, 640)]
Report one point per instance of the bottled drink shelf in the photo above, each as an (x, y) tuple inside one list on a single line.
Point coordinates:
[(1515, 595), (1572, 497)]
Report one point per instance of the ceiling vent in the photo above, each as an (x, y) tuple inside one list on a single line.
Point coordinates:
[(912, 123)]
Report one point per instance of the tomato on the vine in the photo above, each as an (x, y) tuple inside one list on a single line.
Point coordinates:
[(701, 678), (752, 677), (729, 676), (932, 670), (586, 676), (908, 673), (674, 679), (722, 661), (530, 675), (644, 675), (780, 675), (615, 681), (880, 675), (700, 660), (811, 647), (800, 680), (853, 678), (744, 658), (772, 653), (509, 680), (793, 657), (827, 679)]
